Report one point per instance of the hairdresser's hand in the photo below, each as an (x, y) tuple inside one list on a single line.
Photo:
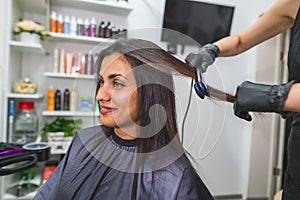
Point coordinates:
[(204, 57), (260, 98)]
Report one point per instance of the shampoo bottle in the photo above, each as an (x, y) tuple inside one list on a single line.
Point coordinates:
[(79, 26), (62, 65), (101, 30), (55, 60), (89, 63), (86, 27), (60, 24), (73, 99), (93, 27), (66, 103), (73, 26), (11, 114), (53, 22), (67, 25), (51, 98), (107, 30), (57, 100)]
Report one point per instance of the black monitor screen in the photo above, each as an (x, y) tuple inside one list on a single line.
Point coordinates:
[(203, 22)]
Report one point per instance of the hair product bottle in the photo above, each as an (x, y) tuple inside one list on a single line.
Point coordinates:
[(67, 25), (93, 27), (101, 30), (60, 24), (11, 114), (62, 67), (55, 60), (57, 100), (73, 26), (79, 26), (66, 102), (53, 22), (51, 98), (107, 30), (114, 32), (76, 63), (69, 62), (82, 64), (73, 99), (86, 27), (89, 63)]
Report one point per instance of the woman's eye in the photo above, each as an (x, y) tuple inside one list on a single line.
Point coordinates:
[(101, 82), (118, 84)]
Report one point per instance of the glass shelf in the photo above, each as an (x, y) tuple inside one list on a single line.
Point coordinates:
[(27, 47), (109, 7), (69, 113), (25, 96), (71, 76), (70, 38)]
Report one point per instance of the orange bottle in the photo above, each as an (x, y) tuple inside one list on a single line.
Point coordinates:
[(60, 24), (53, 22), (51, 98)]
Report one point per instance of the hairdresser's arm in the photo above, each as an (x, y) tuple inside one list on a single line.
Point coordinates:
[(256, 97), (278, 18), (292, 102)]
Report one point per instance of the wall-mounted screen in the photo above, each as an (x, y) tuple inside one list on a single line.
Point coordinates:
[(203, 22)]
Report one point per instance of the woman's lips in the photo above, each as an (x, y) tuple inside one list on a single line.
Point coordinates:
[(104, 110)]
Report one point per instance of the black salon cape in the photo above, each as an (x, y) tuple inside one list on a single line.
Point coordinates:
[(81, 176)]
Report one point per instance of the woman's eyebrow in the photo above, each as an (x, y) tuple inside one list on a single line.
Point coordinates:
[(111, 76)]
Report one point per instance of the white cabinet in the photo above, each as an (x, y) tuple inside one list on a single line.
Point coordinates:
[(36, 60)]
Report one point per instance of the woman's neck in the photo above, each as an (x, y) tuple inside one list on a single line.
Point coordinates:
[(128, 133)]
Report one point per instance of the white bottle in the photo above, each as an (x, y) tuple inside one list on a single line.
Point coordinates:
[(73, 99), (73, 27)]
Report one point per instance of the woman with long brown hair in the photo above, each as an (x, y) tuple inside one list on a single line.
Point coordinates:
[(136, 152)]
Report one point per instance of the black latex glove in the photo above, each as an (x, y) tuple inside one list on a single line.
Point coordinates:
[(260, 98), (204, 57)]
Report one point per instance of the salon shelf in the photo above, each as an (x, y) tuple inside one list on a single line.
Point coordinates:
[(25, 96), (78, 39), (69, 113), (106, 6), (70, 76), (27, 47)]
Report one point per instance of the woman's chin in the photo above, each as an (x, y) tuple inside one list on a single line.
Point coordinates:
[(108, 123)]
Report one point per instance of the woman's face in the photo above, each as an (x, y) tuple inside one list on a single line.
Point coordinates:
[(117, 94)]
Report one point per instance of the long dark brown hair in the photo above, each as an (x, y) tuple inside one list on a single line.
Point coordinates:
[(153, 70), (155, 66)]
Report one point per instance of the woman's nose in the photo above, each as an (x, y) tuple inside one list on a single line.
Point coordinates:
[(103, 93)]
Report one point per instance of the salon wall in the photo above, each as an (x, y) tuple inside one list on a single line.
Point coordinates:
[(2, 64), (219, 141), (2, 35)]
